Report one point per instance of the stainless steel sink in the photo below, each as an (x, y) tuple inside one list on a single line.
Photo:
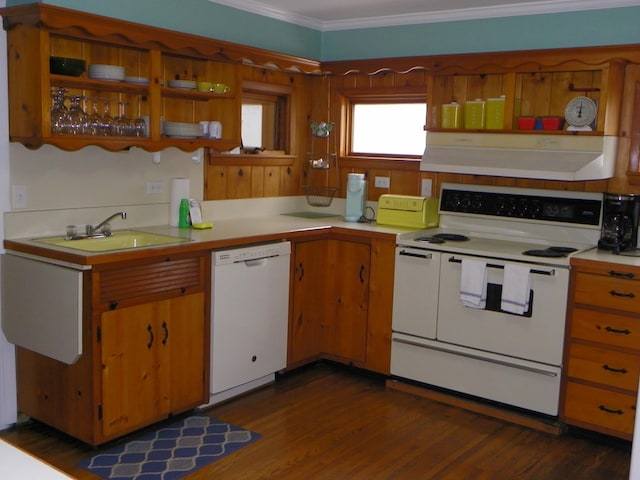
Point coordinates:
[(119, 240)]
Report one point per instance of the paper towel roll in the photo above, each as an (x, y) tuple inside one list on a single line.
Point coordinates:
[(179, 190)]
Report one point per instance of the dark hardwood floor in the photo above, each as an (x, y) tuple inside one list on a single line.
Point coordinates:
[(328, 422)]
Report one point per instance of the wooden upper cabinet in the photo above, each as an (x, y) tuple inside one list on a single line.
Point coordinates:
[(151, 57), (534, 88)]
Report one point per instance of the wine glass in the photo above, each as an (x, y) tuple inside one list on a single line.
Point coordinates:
[(59, 112), (121, 123), (76, 116), (107, 119), (94, 120)]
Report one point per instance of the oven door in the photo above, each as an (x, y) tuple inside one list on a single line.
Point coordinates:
[(415, 291), (536, 336)]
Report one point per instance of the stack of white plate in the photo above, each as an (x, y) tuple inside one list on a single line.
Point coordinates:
[(137, 80), (106, 72), (184, 84), (182, 130)]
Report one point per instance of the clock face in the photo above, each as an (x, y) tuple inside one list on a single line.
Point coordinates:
[(580, 112)]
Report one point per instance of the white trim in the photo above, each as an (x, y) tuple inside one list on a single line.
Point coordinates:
[(475, 13)]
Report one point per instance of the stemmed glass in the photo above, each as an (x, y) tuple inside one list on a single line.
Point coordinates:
[(77, 116), (94, 120), (121, 122), (59, 112), (107, 119)]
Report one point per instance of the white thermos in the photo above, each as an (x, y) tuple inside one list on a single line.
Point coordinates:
[(356, 197)]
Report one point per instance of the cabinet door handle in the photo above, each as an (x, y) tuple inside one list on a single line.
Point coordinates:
[(608, 410), (166, 333), (615, 370), (301, 270), (626, 331), (613, 293), (613, 273), (361, 273), (150, 330)]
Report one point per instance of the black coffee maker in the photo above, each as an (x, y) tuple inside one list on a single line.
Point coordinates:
[(620, 222)]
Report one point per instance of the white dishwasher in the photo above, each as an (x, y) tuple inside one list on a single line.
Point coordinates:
[(249, 317)]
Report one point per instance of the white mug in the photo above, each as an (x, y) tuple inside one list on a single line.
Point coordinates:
[(205, 128), (215, 129)]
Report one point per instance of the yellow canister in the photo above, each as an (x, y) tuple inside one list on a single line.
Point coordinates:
[(474, 114), (452, 115), (495, 113)]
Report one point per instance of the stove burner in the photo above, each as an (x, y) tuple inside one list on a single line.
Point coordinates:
[(454, 237), (433, 239), (563, 249), (551, 252)]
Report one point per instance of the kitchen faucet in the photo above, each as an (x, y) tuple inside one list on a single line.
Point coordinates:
[(91, 230)]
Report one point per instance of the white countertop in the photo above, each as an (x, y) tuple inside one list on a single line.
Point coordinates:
[(596, 255), (17, 465)]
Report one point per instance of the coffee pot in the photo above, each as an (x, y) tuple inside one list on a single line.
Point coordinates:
[(620, 222)]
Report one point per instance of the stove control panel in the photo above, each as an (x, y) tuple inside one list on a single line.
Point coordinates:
[(584, 211)]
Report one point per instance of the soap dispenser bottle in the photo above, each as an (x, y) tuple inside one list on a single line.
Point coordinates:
[(356, 197)]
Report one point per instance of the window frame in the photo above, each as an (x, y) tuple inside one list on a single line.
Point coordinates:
[(386, 95)]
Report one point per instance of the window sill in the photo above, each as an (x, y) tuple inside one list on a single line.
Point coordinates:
[(395, 163), (257, 159)]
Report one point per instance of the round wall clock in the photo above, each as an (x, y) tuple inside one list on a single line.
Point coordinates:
[(580, 113)]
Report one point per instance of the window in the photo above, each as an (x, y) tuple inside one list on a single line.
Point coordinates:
[(389, 126), (265, 116)]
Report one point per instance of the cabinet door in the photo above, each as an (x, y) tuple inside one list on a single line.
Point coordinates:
[(184, 344), (345, 323), (308, 299), (152, 362), (132, 393)]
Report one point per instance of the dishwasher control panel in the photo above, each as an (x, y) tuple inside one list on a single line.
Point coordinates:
[(253, 252)]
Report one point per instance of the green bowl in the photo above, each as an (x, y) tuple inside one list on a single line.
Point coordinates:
[(73, 67)]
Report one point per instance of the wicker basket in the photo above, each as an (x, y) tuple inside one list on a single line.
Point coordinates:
[(320, 196)]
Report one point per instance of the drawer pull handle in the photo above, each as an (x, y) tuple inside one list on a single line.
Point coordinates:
[(608, 410), (626, 331), (613, 293), (615, 370), (613, 273)]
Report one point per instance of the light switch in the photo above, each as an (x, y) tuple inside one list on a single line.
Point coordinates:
[(18, 196)]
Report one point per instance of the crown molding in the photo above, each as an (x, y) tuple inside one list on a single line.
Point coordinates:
[(475, 13)]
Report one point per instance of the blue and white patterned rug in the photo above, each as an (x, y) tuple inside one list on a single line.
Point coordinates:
[(171, 452)]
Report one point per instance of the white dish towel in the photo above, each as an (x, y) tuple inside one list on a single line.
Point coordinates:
[(515, 289), (473, 283)]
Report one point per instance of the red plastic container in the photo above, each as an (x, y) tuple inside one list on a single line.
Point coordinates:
[(552, 123), (526, 123)]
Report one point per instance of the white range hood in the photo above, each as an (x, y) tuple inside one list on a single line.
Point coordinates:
[(540, 156)]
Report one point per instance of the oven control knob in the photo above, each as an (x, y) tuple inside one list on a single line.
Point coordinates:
[(465, 203), (476, 203), (501, 207)]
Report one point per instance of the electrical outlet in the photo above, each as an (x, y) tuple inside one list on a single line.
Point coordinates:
[(19, 196), (425, 190), (382, 182), (155, 187)]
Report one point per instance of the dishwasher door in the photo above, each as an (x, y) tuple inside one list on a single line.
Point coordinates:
[(249, 317)]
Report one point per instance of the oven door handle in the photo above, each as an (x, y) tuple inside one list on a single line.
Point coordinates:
[(405, 253), (503, 363), (548, 273)]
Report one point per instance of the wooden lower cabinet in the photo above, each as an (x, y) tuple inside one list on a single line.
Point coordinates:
[(603, 348), (152, 362), (145, 351), (341, 300)]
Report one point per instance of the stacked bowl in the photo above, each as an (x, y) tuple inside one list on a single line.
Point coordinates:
[(182, 130), (107, 72)]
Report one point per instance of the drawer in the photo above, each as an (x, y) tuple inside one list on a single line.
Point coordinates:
[(599, 409), (607, 291), (607, 328), (601, 365)]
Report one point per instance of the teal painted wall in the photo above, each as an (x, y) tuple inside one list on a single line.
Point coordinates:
[(207, 19), (201, 17), (619, 26)]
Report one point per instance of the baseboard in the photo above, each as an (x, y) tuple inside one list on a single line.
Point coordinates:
[(519, 418)]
